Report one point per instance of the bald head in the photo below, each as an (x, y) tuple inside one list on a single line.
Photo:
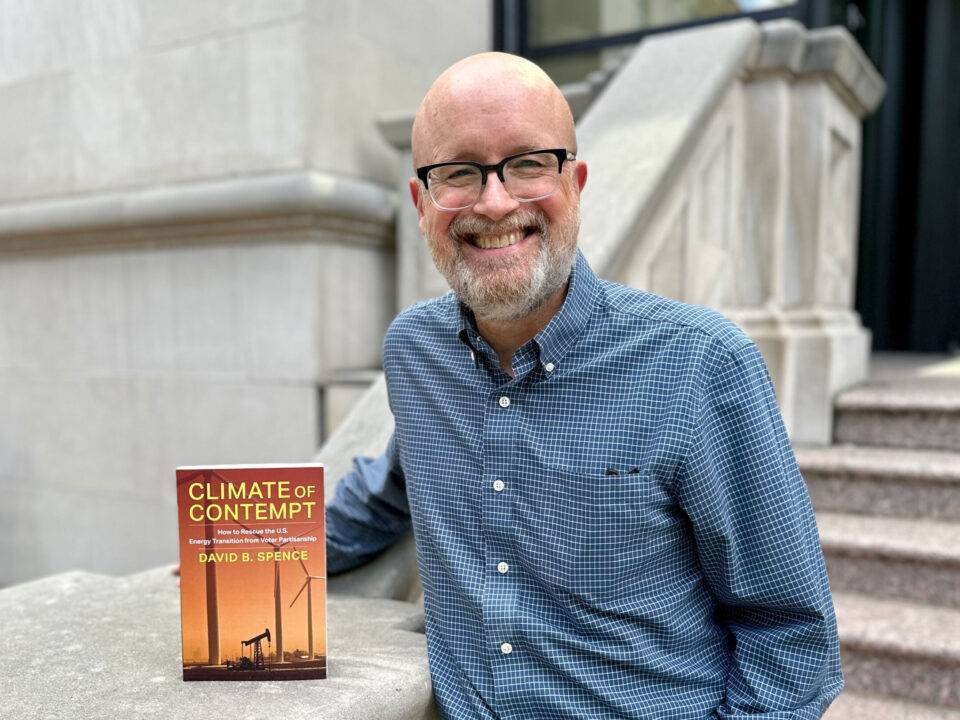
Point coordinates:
[(489, 93)]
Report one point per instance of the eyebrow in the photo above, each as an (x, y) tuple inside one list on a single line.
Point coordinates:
[(475, 157)]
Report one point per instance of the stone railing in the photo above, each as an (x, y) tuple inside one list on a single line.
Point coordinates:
[(725, 171)]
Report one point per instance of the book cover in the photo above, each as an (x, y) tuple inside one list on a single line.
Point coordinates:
[(253, 588)]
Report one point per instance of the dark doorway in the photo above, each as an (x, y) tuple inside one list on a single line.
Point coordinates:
[(909, 279)]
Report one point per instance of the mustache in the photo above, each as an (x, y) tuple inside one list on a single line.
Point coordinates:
[(469, 226)]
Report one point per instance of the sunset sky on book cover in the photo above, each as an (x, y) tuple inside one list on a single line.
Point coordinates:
[(267, 552)]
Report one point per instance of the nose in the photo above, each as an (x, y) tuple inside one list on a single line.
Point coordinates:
[(495, 202)]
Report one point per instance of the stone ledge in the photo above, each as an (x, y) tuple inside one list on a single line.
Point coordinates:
[(256, 204), (81, 645), (787, 46)]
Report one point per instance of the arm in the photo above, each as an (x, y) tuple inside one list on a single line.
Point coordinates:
[(759, 549), (368, 512)]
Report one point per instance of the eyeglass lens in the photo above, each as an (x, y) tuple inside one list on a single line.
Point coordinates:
[(529, 177)]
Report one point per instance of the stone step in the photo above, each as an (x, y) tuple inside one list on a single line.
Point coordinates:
[(893, 482), (914, 560), (899, 649), (863, 706), (909, 414)]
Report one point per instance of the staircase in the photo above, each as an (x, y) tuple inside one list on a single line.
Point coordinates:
[(887, 497)]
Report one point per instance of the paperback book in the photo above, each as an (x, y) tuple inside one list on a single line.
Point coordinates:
[(253, 585)]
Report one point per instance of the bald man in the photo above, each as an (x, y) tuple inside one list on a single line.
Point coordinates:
[(608, 516)]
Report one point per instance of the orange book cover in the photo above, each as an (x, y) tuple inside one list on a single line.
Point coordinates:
[(253, 588)]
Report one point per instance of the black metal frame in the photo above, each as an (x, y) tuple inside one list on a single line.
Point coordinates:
[(511, 28)]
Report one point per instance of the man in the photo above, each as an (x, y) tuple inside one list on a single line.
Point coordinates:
[(608, 516)]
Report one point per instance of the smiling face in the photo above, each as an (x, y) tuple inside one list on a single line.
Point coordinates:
[(502, 257)]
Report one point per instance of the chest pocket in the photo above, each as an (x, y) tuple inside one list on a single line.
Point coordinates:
[(586, 534)]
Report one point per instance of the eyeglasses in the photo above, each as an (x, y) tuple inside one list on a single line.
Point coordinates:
[(526, 177)]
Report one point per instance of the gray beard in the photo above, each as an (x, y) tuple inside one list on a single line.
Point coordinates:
[(512, 297)]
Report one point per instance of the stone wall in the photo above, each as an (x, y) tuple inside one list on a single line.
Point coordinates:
[(120, 93), (196, 247)]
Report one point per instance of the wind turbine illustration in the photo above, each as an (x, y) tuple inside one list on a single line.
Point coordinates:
[(210, 569), (278, 615), (306, 584)]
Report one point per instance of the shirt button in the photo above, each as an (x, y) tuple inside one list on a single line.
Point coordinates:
[(506, 648), (504, 401), (502, 568), (548, 367), (498, 485)]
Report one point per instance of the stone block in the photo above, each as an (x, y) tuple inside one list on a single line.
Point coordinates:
[(341, 395), (92, 646), (357, 301), (783, 46), (56, 36), (168, 22), (36, 157), (90, 462)]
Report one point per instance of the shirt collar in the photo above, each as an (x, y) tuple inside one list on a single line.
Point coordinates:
[(564, 329)]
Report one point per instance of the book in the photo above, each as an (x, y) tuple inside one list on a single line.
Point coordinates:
[(253, 585)]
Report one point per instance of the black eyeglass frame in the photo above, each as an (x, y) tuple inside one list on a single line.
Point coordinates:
[(560, 153)]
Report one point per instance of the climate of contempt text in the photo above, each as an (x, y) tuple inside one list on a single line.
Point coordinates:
[(267, 500)]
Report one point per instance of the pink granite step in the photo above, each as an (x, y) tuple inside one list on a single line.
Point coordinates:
[(860, 706), (894, 482), (908, 414), (915, 560), (899, 649)]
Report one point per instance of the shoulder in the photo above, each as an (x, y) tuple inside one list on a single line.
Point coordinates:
[(422, 321), (692, 325)]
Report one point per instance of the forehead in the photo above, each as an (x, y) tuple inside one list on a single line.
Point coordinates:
[(477, 118)]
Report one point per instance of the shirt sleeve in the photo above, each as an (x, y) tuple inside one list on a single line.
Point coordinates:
[(368, 512), (759, 549)]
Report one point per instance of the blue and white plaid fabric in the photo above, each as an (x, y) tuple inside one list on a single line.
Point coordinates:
[(620, 531)]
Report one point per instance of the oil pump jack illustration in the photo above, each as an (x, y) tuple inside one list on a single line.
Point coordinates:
[(257, 662)]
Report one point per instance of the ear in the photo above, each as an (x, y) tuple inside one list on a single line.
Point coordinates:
[(581, 171), (415, 188)]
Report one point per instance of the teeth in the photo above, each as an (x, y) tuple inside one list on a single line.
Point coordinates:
[(491, 242)]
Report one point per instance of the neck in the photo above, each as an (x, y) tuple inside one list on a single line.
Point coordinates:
[(506, 337)]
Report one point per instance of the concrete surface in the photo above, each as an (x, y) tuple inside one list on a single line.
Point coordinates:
[(80, 645)]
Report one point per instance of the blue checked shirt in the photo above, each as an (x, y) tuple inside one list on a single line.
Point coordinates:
[(619, 531)]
